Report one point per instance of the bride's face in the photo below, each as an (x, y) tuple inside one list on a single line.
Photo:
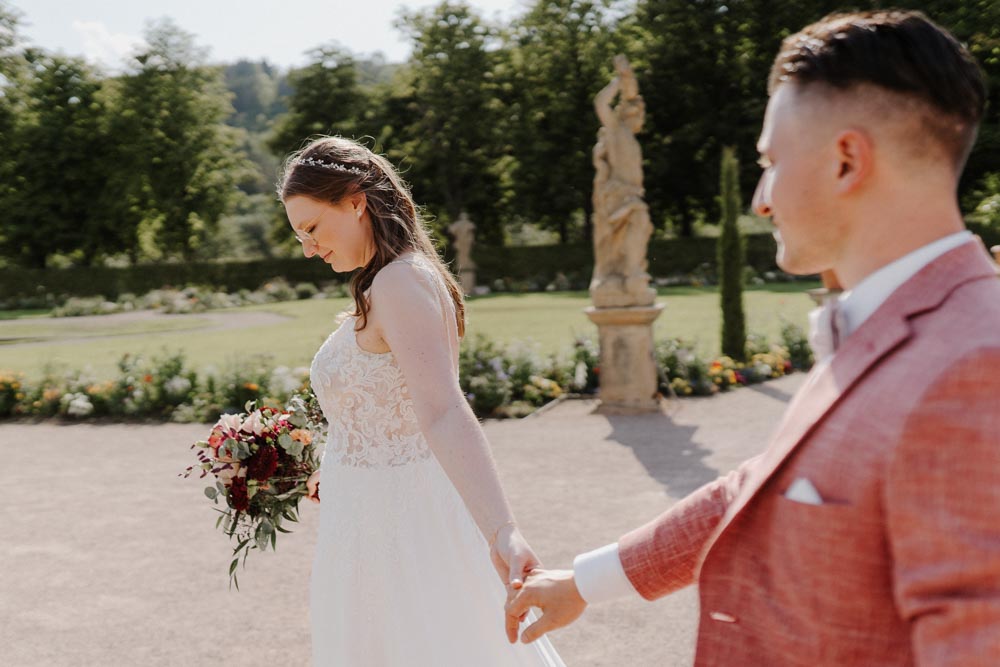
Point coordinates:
[(340, 234)]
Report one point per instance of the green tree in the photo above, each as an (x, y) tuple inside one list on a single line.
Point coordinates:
[(12, 70), (702, 67), (731, 260), (178, 163), (326, 99), (254, 86), (562, 55), (58, 150), (455, 140)]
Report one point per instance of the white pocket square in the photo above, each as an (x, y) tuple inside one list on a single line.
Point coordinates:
[(802, 491)]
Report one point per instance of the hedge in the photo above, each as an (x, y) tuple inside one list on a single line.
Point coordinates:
[(533, 264)]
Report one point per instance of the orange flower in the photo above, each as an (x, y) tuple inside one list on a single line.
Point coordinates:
[(305, 437), (252, 386), (147, 378)]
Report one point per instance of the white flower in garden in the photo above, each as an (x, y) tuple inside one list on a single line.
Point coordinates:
[(80, 405), (253, 423), (177, 386), (580, 375), (284, 380)]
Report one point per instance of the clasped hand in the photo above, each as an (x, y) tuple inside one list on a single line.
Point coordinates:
[(554, 592)]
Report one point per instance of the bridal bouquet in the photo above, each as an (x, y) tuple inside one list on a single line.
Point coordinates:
[(261, 460)]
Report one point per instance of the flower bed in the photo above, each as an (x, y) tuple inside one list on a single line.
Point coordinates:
[(194, 299), (498, 380)]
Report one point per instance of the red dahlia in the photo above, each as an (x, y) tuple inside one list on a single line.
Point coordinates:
[(238, 494), (263, 463)]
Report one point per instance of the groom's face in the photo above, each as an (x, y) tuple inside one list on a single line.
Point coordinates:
[(797, 189)]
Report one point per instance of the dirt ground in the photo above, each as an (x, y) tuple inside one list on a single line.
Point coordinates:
[(107, 557)]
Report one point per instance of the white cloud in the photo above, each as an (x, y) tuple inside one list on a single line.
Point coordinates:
[(102, 46)]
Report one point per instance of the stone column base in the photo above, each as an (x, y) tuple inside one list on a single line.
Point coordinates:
[(628, 376), (467, 279)]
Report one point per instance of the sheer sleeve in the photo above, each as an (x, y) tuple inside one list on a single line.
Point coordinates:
[(411, 307)]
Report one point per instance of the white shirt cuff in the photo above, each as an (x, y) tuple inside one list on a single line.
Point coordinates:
[(600, 577)]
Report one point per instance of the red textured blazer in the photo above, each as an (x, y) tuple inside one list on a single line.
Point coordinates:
[(900, 435)]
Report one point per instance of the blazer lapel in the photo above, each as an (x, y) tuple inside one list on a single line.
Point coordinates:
[(888, 328)]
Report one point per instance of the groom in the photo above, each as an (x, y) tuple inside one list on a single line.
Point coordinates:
[(868, 532)]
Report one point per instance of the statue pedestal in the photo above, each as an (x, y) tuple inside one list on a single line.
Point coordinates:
[(467, 278), (628, 374)]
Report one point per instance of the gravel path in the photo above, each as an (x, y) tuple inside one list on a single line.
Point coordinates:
[(109, 558)]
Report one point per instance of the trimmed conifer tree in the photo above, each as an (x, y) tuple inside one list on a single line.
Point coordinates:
[(731, 260)]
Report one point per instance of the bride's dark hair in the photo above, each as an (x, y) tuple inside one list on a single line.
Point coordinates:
[(396, 223)]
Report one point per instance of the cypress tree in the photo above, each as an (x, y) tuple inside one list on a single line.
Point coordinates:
[(731, 260)]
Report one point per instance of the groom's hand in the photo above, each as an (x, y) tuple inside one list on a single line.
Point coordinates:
[(552, 591)]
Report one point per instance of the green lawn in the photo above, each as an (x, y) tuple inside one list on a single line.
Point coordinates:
[(50, 328), (23, 314), (551, 320)]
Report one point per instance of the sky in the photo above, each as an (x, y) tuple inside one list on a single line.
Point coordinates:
[(105, 31)]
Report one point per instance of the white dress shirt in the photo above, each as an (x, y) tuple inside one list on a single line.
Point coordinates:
[(599, 574)]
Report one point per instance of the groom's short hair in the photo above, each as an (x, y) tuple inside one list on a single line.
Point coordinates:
[(902, 52)]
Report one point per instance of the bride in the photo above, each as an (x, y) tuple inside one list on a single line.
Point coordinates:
[(412, 509)]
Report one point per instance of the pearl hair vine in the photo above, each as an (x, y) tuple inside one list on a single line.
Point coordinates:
[(336, 166)]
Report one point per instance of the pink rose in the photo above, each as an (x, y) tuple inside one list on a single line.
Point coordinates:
[(253, 424), (229, 422)]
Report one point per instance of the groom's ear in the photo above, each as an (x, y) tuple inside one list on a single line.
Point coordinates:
[(854, 152)]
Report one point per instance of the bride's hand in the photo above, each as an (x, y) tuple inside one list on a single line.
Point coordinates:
[(513, 560), (312, 487), (512, 557)]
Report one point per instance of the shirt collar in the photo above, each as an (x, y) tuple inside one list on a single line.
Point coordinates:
[(858, 304)]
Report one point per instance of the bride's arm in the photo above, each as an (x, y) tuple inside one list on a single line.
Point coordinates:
[(409, 318)]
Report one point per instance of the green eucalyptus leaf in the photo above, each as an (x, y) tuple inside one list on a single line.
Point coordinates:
[(211, 492)]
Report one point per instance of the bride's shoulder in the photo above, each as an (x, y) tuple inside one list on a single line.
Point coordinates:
[(404, 276)]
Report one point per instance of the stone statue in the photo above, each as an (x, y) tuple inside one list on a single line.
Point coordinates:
[(464, 233), (622, 226)]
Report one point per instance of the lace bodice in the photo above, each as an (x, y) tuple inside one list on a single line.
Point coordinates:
[(365, 398)]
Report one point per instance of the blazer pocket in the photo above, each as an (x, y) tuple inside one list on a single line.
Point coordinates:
[(827, 549), (814, 536)]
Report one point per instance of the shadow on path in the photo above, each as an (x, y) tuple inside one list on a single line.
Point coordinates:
[(666, 449), (771, 391)]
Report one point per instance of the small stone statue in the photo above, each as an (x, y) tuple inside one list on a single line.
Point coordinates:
[(464, 233), (622, 226)]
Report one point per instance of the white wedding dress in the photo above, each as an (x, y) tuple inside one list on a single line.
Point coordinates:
[(401, 575)]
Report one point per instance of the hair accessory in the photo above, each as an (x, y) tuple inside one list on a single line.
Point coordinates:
[(336, 166)]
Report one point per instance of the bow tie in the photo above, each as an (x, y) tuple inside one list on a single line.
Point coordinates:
[(827, 328)]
